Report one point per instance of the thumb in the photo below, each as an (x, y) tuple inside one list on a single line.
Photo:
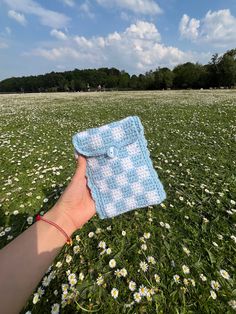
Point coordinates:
[(81, 166)]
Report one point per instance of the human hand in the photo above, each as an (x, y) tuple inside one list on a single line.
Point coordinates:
[(76, 202)]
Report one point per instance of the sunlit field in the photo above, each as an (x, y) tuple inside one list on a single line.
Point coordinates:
[(176, 257)]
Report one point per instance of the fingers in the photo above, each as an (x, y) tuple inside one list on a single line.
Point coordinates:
[(81, 166)]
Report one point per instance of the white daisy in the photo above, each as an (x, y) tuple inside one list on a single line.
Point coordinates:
[(112, 263), (30, 220), (72, 279), (46, 281), (224, 274), (186, 282), (117, 273), (167, 226), (123, 272), (213, 294), (186, 250), (185, 269), (157, 278), (114, 293), (143, 290), (55, 308), (143, 266), (64, 286), (176, 278), (233, 238), (100, 280), (81, 276), (102, 244), (203, 277), (232, 303), (137, 297), (215, 285), (98, 230), (108, 251), (147, 235), (36, 298), (78, 239), (58, 264), (132, 285), (193, 282), (144, 247), (151, 260), (68, 258), (76, 249), (91, 234), (40, 291)]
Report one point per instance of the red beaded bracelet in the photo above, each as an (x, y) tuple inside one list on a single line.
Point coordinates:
[(69, 240)]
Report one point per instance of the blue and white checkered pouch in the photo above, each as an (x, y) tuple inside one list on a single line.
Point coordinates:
[(119, 170)]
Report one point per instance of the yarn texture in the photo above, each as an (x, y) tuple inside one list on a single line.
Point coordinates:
[(120, 172)]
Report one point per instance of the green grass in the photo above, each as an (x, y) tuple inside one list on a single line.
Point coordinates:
[(192, 140)]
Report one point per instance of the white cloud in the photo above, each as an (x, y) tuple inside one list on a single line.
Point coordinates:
[(70, 3), (58, 34), (189, 27), (86, 8), (137, 48), (217, 28), (143, 30), (20, 18), (8, 30), (83, 43), (47, 17), (136, 6)]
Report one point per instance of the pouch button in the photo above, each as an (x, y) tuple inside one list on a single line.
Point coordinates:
[(112, 152)]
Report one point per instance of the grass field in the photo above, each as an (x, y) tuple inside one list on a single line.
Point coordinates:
[(188, 242)]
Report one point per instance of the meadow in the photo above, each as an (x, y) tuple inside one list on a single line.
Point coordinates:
[(176, 257)]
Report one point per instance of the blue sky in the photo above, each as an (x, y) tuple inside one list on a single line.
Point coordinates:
[(38, 37)]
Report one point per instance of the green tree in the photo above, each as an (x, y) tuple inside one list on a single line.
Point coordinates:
[(188, 75), (227, 68), (163, 78)]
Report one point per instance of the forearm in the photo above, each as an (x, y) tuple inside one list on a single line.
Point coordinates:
[(24, 261)]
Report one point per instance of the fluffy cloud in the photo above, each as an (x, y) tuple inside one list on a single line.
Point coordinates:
[(217, 28), (137, 48), (189, 27), (136, 6), (20, 18), (47, 17), (86, 9), (58, 34)]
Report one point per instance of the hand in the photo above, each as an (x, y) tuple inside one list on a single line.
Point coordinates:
[(76, 202)]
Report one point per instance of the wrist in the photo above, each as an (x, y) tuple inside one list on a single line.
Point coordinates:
[(62, 219)]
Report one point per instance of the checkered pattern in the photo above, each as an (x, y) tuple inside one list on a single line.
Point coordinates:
[(119, 169)]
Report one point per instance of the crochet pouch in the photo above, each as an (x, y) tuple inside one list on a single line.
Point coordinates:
[(119, 171)]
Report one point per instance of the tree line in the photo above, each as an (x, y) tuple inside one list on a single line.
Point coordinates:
[(219, 72)]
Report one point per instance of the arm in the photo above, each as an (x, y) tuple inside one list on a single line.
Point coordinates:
[(24, 261)]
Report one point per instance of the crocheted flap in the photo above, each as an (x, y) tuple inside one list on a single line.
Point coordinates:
[(97, 141)]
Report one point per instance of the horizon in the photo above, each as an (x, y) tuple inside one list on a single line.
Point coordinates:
[(37, 37)]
